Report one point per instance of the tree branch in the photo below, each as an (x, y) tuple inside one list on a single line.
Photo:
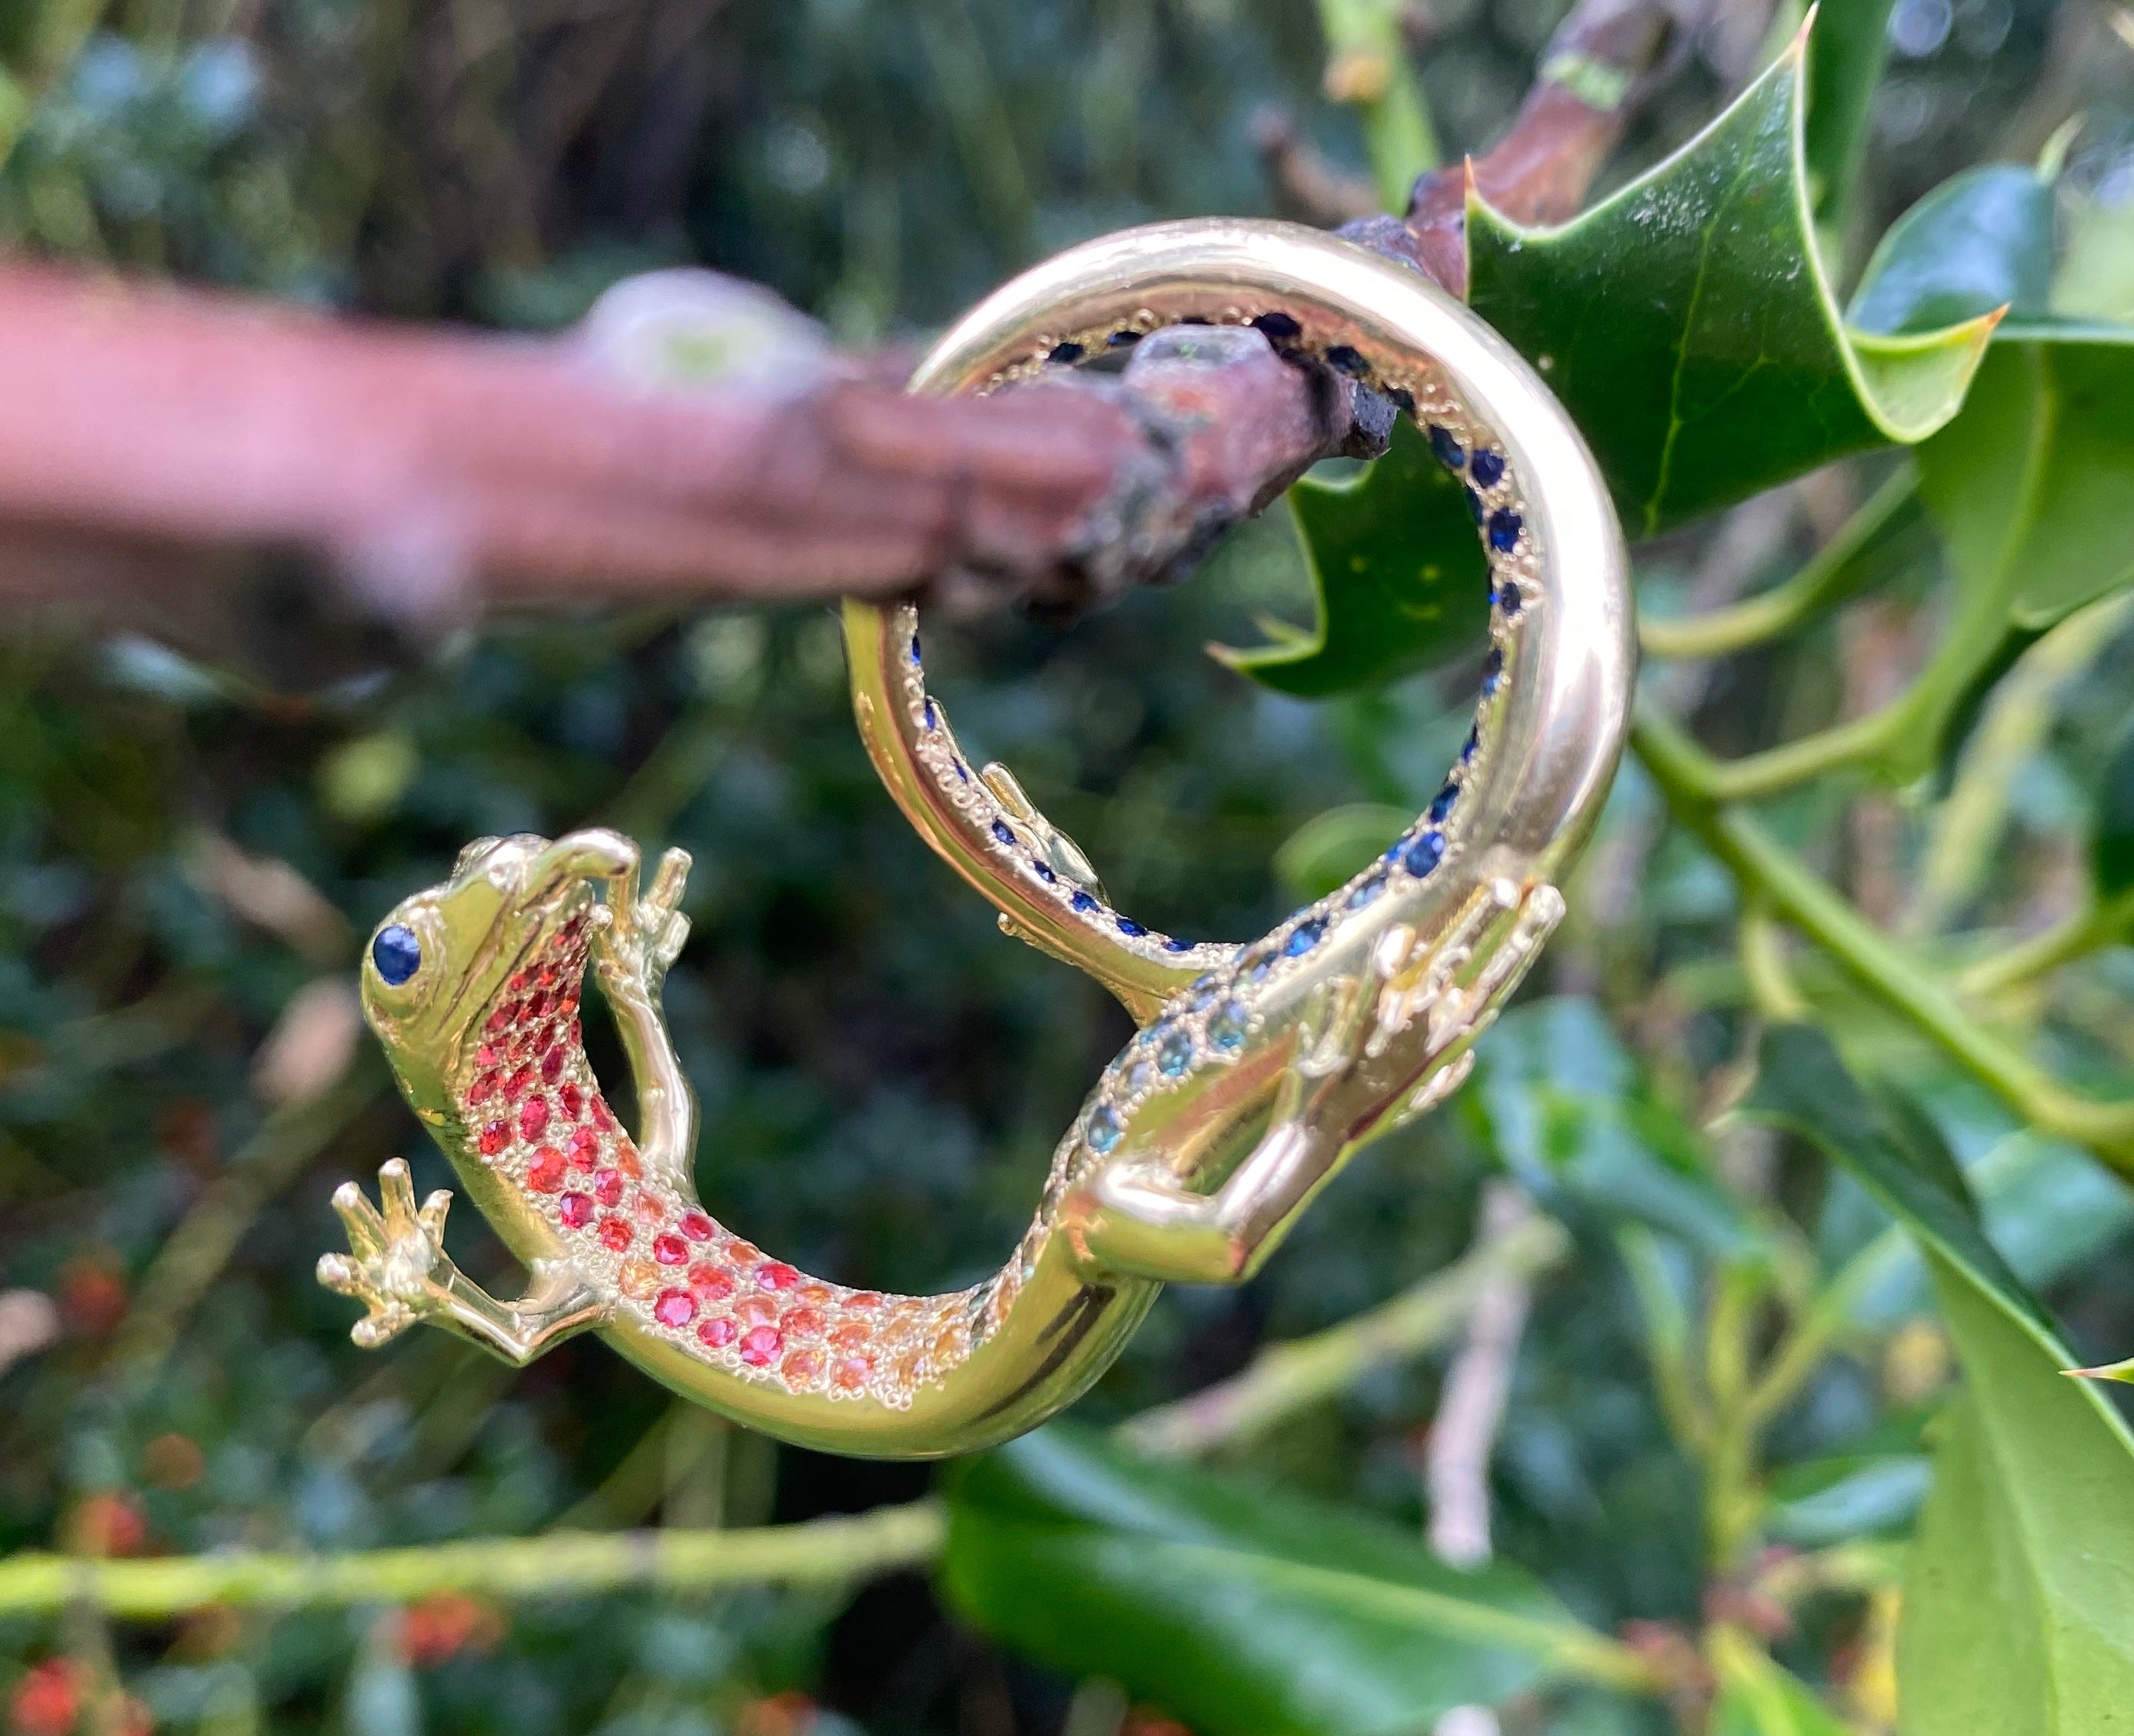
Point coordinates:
[(155, 444)]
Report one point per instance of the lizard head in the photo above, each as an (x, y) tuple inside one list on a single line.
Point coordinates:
[(444, 960)]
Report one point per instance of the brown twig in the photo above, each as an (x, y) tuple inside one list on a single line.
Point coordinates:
[(148, 435)]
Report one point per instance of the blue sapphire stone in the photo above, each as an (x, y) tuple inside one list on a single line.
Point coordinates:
[(1173, 1054), (1472, 745), (1366, 891), (962, 772), (1043, 873), (1441, 804), (1304, 936), (1424, 854), (1175, 945), (1128, 925), (1065, 354), (1446, 448), (1508, 599), (1503, 530), (933, 715), (1227, 1029), (1104, 1129), (1493, 670), (914, 650), (1475, 506), (1002, 831), (1487, 467), (1082, 902), (397, 953)]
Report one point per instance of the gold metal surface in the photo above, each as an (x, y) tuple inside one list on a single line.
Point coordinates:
[(1260, 1067)]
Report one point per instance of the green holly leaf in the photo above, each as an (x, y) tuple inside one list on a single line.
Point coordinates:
[(1686, 323), (2019, 1596), (1238, 1610), (1846, 51), (1398, 571), (1891, 1149), (1980, 241)]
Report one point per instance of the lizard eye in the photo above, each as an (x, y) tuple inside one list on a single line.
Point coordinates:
[(397, 953)]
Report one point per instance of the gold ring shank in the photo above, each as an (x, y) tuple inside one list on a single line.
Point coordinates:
[(1558, 733)]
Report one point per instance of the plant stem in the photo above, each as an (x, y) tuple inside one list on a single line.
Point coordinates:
[(1765, 868), (1286, 1378), (1784, 606), (2098, 924), (823, 1551), (1367, 68)]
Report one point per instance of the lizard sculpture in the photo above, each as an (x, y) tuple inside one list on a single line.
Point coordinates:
[(1259, 1068)]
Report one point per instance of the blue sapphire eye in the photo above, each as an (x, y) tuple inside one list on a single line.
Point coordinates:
[(397, 953)]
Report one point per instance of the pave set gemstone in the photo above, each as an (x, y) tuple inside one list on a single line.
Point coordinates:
[(1211, 1020), (539, 1117)]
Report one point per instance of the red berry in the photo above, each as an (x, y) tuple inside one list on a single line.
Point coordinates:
[(760, 1346), (675, 1308)]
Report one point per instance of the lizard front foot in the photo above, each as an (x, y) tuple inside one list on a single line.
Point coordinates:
[(396, 1265), (398, 1268)]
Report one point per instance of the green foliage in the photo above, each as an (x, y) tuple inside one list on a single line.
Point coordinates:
[(1686, 322), (1240, 1609), (1398, 571), (2019, 1612), (1732, 1412)]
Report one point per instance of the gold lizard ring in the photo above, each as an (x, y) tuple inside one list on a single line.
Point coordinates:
[(1260, 1068)]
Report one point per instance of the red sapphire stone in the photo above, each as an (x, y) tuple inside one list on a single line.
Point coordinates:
[(718, 1333), (607, 1187), (573, 1100), (483, 1088), (545, 1174), (711, 1283), (615, 1234), (603, 1116), (697, 1226), (776, 1274), (585, 1148), (551, 1065), (760, 1346), (851, 1374), (533, 1117), (675, 1308), (575, 1210), (801, 1323), (670, 1251), (494, 1137)]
